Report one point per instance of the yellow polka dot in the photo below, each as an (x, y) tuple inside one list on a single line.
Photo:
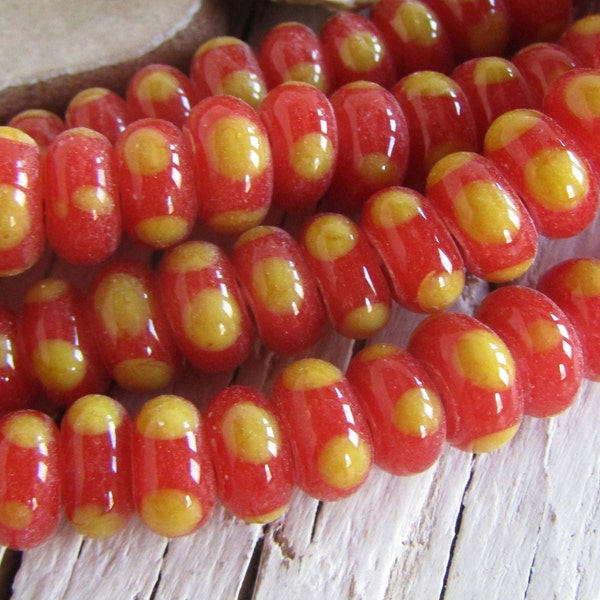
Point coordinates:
[(167, 417), (276, 283), (170, 512), (509, 273), (482, 359), (493, 441), (16, 135), (163, 231), (447, 165), (588, 25), (27, 430), (557, 178), (343, 463), (93, 199), (361, 51), (377, 352), (251, 433), (146, 152), (212, 320), (255, 233), (543, 335), (235, 222), (143, 374), (15, 514), (46, 290), (418, 412), (91, 520), (440, 290), (59, 365), (394, 208), (312, 156), (509, 127), (330, 236), (489, 36), (245, 85), (86, 132), (307, 72), (362, 85), (88, 95), (268, 517), (15, 220), (583, 278), (443, 149), (219, 41), (379, 170), (157, 86), (413, 22), (310, 374), (493, 69), (582, 95), (191, 256), (429, 83), (94, 414), (366, 321)]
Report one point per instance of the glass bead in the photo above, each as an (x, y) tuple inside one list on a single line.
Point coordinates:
[(582, 38), (42, 125)]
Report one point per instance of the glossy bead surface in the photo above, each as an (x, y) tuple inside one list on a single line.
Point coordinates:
[(582, 38), (95, 437), (281, 290), (131, 329), (42, 125), (328, 433), (156, 183), (234, 167), (543, 343), (29, 479), (22, 235), (424, 267), (485, 215), (404, 410), (83, 208), (474, 373), (547, 169), (252, 459), (173, 478), (205, 306), (354, 290), (531, 21)]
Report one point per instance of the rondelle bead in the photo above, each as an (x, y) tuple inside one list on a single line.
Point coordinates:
[(328, 432), (131, 329), (355, 292), (42, 125), (30, 474), (22, 235), (414, 35), (233, 163), (83, 208), (356, 51), (542, 341), (485, 215), (582, 38), (99, 109), (160, 91), (205, 307), (302, 132), (547, 169), (95, 436), (59, 343), (404, 410), (423, 265), (253, 465), (292, 51), (156, 183), (225, 65), (373, 144), (474, 373), (280, 288), (439, 119), (173, 478), (574, 285), (531, 21)]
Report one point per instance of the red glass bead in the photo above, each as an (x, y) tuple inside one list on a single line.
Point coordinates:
[(414, 35), (156, 183), (355, 50), (281, 290), (475, 376), (131, 329), (302, 131), (532, 21), (226, 65), (424, 267), (582, 38), (574, 285), (493, 86), (160, 91), (252, 459), (22, 236), (292, 51), (355, 292), (29, 479), (205, 306), (234, 167), (328, 432), (543, 343), (99, 109), (404, 410), (58, 342), (96, 474), (485, 215), (83, 209), (373, 144), (540, 64), (547, 169), (173, 478), (439, 118), (42, 125)]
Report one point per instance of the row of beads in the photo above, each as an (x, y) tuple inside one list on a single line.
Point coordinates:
[(465, 380)]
